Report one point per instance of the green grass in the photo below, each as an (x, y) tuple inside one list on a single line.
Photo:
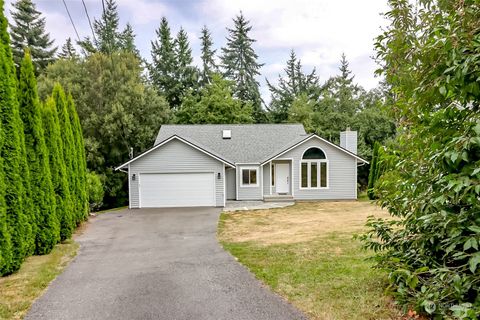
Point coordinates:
[(19, 290), (327, 278)]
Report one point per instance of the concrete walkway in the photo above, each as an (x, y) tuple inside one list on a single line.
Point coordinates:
[(254, 205), (157, 264)]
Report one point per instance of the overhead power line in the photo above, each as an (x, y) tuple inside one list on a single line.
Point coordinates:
[(89, 22), (71, 20)]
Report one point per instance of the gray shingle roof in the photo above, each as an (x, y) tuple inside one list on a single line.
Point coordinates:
[(250, 143)]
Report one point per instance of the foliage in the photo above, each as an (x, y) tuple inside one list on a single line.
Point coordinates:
[(116, 108), (374, 174), (207, 55), (5, 96), (95, 190), (18, 223), (41, 188), (239, 61), (295, 83), (68, 51), (80, 165), (214, 104), (162, 68), (28, 31), (58, 169), (185, 75), (107, 36), (430, 55), (70, 153)]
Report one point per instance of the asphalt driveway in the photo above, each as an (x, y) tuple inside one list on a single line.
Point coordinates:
[(157, 264)]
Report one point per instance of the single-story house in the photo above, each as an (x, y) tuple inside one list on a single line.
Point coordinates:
[(206, 165)]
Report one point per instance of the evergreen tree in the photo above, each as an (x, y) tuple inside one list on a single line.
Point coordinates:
[(68, 50), (55, 145), (48, 231), (80, 161), (108, 37), (28, 31), (69, 152), (291, 87), (6, 253), (128, 40), (208, 56), (186, 75), (239, 61), (162, 69), (214, 104), (18, 220)]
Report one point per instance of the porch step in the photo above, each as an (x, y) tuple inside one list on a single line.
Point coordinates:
[(278, 198)]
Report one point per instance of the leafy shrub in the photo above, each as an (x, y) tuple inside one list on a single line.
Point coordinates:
[(95, 190), (430, 55)]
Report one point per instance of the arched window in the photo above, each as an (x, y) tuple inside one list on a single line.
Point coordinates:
[(314, 169)]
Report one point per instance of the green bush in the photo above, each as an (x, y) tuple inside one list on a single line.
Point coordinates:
[(430, 55), (95, 190)]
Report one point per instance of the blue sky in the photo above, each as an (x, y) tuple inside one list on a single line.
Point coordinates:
[(318, 30)]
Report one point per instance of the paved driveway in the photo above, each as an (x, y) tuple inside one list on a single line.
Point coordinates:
[(157, 264)]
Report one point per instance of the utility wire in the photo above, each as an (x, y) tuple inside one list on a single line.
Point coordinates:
[(71, 20), (89, 22)]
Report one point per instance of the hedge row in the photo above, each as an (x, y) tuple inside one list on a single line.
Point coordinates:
[(43, 194)]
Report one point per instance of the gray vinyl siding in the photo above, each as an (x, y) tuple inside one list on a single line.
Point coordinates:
[(231, 184), (342, 173), (248, 193), (348, 140), (175, 157), (267, 179)]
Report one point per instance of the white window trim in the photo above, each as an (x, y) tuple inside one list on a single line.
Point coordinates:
[(241, 177), (309, 166)]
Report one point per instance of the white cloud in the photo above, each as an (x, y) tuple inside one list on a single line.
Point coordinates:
[(144, 11)]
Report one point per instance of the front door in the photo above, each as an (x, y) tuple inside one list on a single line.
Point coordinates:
[(282, 177)]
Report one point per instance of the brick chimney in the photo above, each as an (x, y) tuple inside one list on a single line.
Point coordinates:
[(348, 140)]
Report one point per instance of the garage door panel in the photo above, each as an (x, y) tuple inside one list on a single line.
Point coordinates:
[(177, 189)]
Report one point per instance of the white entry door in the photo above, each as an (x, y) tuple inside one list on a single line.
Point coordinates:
[(282, 177), (177, 190)]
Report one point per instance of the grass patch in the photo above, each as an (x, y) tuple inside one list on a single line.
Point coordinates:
[(318, 267), (19, 290)]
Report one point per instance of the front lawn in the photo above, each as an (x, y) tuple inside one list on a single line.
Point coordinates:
[(19, 290), (307, 254)]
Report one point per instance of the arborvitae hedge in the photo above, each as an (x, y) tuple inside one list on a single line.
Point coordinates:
[(81, 162), (69, 152), (58, 169), (5, 240), (17, 219), (41, 189)]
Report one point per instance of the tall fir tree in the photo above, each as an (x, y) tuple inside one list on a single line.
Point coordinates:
[(68, 51), (69, 152), (6, 253), (28, 31), (18, 219), (290, 87), (108, 37), (43, 200), (185, 75), (207, 55), (80, 161), (239, 61), (128, 40), (162, 68), (55, 145)]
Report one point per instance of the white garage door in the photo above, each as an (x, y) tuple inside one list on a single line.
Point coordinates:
[(177, 190)]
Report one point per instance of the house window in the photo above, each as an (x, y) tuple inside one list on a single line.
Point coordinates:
[(249, 177), (314, 169), (273, 175)]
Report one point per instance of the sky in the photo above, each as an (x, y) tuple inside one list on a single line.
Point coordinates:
[(318, 30)]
